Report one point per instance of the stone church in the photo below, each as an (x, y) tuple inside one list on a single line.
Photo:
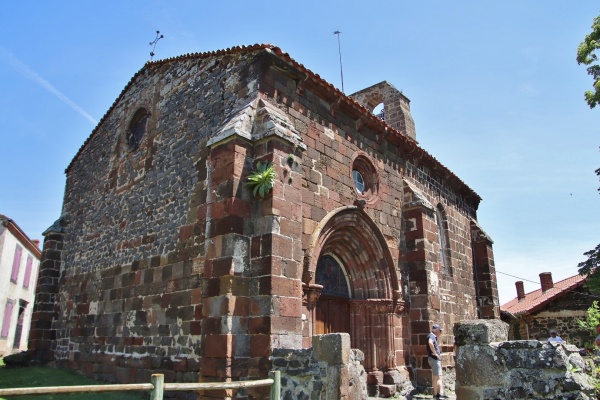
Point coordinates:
[(164, 260)]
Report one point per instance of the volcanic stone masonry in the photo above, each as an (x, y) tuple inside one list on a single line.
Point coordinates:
[(164, 261)]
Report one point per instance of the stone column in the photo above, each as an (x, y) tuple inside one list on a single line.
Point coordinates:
[(477, 365), (425, 304), (484, 273), (226, 287), (42, 334), (252, 295)]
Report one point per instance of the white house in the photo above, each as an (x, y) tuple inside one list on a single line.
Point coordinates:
[(19, 265)]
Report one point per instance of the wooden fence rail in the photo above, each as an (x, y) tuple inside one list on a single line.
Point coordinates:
[(157, 387)]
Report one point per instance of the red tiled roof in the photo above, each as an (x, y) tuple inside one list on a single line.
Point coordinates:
[(20, 235), (329, 88), (535, 300)]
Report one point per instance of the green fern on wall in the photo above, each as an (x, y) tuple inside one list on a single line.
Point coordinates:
[(262, 179)]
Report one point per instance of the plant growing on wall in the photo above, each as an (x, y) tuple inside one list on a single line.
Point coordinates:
[(592, 318), (262, 179)]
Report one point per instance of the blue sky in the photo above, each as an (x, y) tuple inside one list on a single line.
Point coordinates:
[(496, 95)]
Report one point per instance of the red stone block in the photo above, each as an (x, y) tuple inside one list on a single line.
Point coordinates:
[(208, 366), (196, 327), (259, 325), (285, 324), (180, 365), (282, 246), (222, 266), (290, 307), (185, 232), (260, 346), (241, 306), (218, 346), (280, 286), (236, 206), (228, 224), (198, 312)]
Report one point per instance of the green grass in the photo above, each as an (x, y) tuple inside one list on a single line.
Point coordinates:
[(46, 376)]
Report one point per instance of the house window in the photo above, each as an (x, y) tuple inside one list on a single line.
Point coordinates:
[(137, 128), (6, 320), (19, 327), (442, 225), (14, 275), (331, 275), (28, 267)]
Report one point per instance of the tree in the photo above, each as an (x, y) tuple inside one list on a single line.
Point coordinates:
[(591, 267), (586, 55)]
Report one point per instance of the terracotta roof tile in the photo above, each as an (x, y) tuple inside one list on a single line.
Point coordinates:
[(535, 300)]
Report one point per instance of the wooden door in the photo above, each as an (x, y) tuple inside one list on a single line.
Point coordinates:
[(332, 315)]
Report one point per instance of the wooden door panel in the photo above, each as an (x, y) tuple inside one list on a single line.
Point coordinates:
[(332, 316)]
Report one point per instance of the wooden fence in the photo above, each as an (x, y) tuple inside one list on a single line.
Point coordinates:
[(157, 387)]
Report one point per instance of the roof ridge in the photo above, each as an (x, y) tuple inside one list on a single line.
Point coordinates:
[(287, 58)]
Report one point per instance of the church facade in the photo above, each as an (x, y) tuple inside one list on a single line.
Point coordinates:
[(164, 259)]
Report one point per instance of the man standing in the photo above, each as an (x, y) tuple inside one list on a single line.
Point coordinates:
[(435, 361), (554, 337)]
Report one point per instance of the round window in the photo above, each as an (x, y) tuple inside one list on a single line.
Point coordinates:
[(365, 177), (359, 182)]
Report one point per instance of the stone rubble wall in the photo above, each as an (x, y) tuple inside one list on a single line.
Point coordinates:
[(330, 370), (488, 367)]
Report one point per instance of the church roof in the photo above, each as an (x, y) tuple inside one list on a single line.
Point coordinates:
[(537, 299), (415, 150)]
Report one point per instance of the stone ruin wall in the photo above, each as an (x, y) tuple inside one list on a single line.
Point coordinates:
[(488, 367)]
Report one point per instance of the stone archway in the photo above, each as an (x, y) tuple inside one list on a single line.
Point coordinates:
[(350, 236)]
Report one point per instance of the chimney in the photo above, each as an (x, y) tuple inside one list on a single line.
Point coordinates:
[(36, 242), (520, 290), (546, 281)]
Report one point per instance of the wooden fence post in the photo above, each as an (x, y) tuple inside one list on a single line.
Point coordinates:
[(276, 386), (158, 380)]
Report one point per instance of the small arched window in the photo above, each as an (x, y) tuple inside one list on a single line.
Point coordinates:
[(137, 128), (332, 276), (442, 226)]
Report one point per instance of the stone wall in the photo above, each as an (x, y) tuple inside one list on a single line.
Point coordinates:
[(561, 314), (169, 263), (488, 367), (330, 370)]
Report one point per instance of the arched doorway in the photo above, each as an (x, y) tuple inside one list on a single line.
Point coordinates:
[(348, 249), (333, 306)]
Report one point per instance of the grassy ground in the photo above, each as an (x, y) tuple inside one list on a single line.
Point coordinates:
[(46, 376)]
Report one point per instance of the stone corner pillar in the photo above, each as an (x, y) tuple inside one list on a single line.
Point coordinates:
[(42, 334)]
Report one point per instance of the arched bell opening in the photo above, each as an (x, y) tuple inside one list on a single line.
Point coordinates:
[(348, 248)]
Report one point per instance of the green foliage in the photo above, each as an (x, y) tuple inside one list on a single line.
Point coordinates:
[(586, 55), (592, 318), (590, 266), (262, 179)]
